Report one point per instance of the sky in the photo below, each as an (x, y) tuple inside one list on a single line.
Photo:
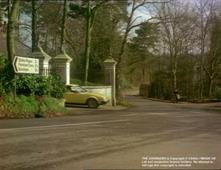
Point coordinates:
[(24, 33), (142, 13)]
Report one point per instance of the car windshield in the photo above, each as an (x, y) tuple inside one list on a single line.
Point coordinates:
[(78, 89)]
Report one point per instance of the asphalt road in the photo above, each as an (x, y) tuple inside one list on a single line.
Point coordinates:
[(149, 135)]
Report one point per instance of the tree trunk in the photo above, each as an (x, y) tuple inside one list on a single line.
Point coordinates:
[(88, 43), (143, 74), (63, 24), (175, 74), (12, 17), (119, 63), (34, 26), (203, 33), (129, 27), (210, 87), (201, 87)]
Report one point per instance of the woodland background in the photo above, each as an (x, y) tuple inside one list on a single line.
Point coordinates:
[(171, 45)]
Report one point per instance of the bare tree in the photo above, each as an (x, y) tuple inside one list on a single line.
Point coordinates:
[(88, 10), (63, 25), (212, 60), (204, 10), (177, 27), (131, 24)]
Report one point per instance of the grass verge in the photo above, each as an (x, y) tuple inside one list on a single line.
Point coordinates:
[(30, 106)]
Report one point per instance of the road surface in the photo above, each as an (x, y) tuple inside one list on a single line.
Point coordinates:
[(148, 135)]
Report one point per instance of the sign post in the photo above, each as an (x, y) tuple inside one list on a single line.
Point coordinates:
[(26, 65)]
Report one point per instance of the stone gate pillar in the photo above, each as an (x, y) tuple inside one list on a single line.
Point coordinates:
[(61, 66), (44, 59), (110, 77)]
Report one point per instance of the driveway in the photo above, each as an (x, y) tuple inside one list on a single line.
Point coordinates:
[(149, 135)]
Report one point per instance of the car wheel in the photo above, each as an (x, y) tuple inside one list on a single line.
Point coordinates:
[(92, 103)]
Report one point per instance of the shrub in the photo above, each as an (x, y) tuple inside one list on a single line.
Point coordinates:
[(218, 94), (30, 106), (22, 107), (39, 85), (25, 85), (57, 87), (51, 106), (27, 106), (2, 91), (6, 75), (2, 65), (159, 89), (43, 86)]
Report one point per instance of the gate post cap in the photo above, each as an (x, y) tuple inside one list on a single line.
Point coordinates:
[(110, 61)]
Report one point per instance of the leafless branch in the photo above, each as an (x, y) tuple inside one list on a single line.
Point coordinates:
[(158, 2), (132, 23), (137, 25), (25, 25), (21, 42)]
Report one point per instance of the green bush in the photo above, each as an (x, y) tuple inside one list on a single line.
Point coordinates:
[(2, 65), (160, 89), (2, 91), (30, 106), (29, 88), (39, 85), (43, 86), (218, 94), (57, 87), (27, 106), (26, 85), (9, 102), (6, 75), (52, 106), (22, 107)]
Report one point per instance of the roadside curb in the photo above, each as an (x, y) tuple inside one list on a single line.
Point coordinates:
[(88, 111), (180, 102), (160, 100)]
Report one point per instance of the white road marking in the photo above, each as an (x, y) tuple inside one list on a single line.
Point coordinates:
[(131, 114), (158, 113), (146, 114), (63, 125)]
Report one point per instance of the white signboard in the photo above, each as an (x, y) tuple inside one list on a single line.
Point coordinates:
[(26, 65)]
